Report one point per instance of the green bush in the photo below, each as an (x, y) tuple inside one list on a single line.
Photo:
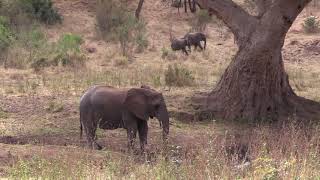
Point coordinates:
[(6, 35), (164, 52), (116, 23), (68, 51), (65, 52), (121, 61), (176, 4), (69, 42), (178, 75), (311, 24), (140, 36), (201, 20), (42, 10)]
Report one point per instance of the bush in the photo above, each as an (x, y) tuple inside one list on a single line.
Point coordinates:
[(311, 24), (164, 52), (115, 23), (140, 36), (69, 42), (167, 54), (177, 75), (68, 51), (42, 10), (176, 4), (6, 35), (201, 20), (121, 61)]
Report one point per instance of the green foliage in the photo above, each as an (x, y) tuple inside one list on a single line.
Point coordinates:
[(69, 42), (3, 114), (121, 61), (68, 51), (42, 10), (40, 168), (201, 20), (140, 36), (65, 52), (178, 75), (176, 4), (311, 24), (117, 24), (164, 52), (6, 36), (55, 107)]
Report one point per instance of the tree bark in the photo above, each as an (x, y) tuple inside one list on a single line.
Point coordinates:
[(139, 8), (255, 85)]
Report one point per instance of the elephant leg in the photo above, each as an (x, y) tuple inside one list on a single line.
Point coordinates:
[(143, 133), (131, 133), (185, 51), (195, 46), (199, 44), (90, 125)]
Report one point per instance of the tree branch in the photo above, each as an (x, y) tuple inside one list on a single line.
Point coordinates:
[(237, 19), (138, 10), (262, 6)]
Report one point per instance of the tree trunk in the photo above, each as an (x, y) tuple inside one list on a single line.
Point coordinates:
[(139, 8), (255, 85)]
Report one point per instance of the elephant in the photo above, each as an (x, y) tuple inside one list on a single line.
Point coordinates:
[(180, 44), (110, 108), (195, 39)]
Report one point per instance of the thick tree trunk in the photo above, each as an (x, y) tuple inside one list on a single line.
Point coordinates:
[(255, 85)]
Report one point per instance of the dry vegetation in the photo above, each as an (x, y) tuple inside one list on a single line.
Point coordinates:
[(42, 82)]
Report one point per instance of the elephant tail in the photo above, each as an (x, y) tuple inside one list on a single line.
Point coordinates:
[(205, 42), (81, 118)]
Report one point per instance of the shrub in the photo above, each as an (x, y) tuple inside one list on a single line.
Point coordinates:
[(42, 10), (121, 61), (164, 52), (176, 4), (117, 24), (311, 24), (167, 54), (6, 35), (178, 75), (201, 20), (66, 52), (69, 42), (140, 36)]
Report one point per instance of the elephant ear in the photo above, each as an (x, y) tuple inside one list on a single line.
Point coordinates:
[(136, 103)]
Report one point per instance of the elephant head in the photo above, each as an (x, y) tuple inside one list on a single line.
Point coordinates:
[(145, 103)]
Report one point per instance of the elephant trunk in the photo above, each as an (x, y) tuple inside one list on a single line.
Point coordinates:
[(163, 118)]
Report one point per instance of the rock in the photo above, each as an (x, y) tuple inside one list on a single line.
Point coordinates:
[(91, 49)]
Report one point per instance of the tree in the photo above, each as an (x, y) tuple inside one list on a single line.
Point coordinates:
[(255, 85)]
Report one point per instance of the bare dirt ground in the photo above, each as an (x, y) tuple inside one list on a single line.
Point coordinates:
[(45, 121)]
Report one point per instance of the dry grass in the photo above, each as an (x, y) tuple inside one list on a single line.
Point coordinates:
[(282, 152)]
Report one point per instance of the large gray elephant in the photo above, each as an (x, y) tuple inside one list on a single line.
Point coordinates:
[(180, 44), (195, 39), (111, 108)]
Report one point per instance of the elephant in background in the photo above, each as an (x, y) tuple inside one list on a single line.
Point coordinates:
[(195, 39), (180, 44), (111, 108)]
